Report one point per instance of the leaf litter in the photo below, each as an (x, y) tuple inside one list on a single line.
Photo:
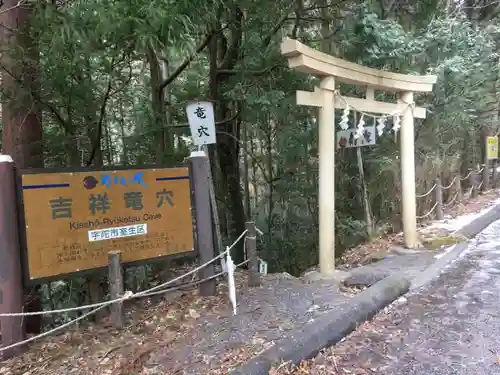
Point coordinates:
[(101, 349), (366, 350), (164, 323)]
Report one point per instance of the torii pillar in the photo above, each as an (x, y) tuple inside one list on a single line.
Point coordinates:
[(332, 70)]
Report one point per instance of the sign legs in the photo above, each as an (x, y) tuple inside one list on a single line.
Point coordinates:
[(11, 286), (200, 179)]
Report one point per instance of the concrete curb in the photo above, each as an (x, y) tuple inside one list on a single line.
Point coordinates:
[(468, 231), (479, 223), (328, 329), (435, 268)]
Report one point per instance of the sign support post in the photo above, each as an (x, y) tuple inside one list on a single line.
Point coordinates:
[(115, 279), (11, 286), (199, 170), (201, 120)]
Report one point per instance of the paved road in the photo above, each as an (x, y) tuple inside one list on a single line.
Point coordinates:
[(451, 326)]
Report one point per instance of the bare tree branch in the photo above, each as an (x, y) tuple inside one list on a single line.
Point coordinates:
[(3, 11), (255, 73), (177, 72), (38, 99)]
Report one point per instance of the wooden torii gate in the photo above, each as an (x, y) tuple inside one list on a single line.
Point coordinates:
[(332, 70)]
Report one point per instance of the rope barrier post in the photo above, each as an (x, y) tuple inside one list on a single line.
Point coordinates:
[(11, 284), (253, 261), (438, 195), (200, 178), (473, 179), (115, 280), (486, 178), (458, 188), (494, 178)]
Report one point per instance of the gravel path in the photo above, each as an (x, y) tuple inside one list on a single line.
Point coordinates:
[(451, 326), (219, 342)]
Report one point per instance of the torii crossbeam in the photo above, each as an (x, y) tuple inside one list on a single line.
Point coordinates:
[(332, 70)]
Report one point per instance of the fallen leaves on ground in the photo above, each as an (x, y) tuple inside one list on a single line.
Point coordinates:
[(346, 357), (99, 349)]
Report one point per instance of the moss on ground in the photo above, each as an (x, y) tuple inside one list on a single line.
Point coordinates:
[(438, 242)]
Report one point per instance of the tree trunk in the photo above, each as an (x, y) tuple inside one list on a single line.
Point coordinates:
[(21, 115), (94, 132), (123, 136), (157, 106), (72, 150), (108, 146), (255, 186), (224, 54), (246, 171), (270, 173), (230, 170)]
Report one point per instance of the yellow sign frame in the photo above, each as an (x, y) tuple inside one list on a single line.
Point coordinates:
[(71, 219)]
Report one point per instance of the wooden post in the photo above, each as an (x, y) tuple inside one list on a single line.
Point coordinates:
[(438, 194), (200, 179), (473, 184), (407, 139), (326, 196), (495, 173), (115, 280), (11, 285), (458, 188), (253, 261), (486, 177)]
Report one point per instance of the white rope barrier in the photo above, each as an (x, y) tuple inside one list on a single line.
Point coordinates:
[(451, 201), (54, 330), (466, 177), (471, 172), (446, 188), (450, 185), (426, 194), (193, 283), (428, 213), (130, 295)]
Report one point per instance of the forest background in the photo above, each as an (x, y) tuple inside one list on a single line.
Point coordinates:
[(105, 83)]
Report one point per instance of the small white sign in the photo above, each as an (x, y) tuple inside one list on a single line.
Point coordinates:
[(118, 232), (201, 122), (345, 138), (262, 267)]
